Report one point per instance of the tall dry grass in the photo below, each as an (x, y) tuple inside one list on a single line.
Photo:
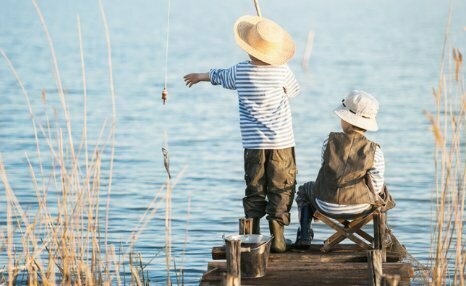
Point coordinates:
[(448, 253), (64, 240)]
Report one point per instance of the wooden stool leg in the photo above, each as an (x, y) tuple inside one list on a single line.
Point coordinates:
[(347, 232), (355, 226), (339, 236), (365, 235)]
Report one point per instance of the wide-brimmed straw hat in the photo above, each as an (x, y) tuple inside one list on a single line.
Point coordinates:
[(264, 39), (359, 108)]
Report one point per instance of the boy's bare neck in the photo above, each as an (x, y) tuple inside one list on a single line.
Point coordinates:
[(257, 62)]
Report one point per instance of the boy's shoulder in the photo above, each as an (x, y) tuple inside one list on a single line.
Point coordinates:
[(244, 63), (339, 135), (335, 134), (248, 63)]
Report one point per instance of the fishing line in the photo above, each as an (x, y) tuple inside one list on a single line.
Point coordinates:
[(166, 160), (167, 41)]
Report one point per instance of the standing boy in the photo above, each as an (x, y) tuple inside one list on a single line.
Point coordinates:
[(264, 84)]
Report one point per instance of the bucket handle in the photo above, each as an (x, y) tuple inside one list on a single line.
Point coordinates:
[(249, 249), (260, 245), (242, 249)]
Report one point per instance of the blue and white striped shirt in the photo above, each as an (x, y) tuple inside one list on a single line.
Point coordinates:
[(263, 93), (376, 173)]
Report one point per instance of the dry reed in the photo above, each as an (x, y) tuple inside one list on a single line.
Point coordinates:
[(63, 242), (448, 253)]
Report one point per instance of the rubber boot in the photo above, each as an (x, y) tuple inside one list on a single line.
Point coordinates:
[(278, 241), (305, 233), (256, 226)]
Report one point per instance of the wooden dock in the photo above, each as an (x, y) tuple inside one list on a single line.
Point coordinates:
[(344, 265)]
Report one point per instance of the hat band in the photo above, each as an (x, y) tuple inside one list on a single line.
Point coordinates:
[(344, 105)]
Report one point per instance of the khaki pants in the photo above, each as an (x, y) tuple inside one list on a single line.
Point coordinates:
[(270, 177)]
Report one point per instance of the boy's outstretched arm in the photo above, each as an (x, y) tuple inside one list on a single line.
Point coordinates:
[(193, 78)]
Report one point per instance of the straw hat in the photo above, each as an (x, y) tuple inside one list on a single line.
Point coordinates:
[(359, 108), (264, 39)]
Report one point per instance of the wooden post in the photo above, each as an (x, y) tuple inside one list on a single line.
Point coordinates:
[(245, 226), (258, 9), (383, 230), (379, 234), (390, 280), (374, 260), (233, 253)]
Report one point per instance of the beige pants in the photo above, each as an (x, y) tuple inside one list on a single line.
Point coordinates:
[(270, 176)]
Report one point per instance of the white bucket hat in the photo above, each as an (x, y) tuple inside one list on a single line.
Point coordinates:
[(264, 39), (359, 108)]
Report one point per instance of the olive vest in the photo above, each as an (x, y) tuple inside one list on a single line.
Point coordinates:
[(341, 179)]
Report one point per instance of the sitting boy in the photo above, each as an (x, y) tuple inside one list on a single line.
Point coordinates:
[(348, 158), (264, 84)]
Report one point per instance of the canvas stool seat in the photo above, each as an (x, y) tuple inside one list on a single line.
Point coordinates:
[(349, 226)]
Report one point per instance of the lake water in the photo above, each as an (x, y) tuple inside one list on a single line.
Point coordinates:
[(390, 48)]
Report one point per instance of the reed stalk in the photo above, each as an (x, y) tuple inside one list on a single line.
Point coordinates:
[(62, 240), (448, 121)]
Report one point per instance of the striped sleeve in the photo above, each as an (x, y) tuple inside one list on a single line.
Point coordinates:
[(224, 77), (291, 85), (377, 171)]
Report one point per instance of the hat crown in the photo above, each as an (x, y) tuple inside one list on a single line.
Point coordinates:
[(362, 103), (269, 31), (264, 39)]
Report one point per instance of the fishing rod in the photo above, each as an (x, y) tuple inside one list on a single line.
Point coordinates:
[(258, 9), (165, 151), (165, 91)]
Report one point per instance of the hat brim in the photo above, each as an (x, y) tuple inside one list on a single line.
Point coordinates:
[(369, 124), (278, 57)]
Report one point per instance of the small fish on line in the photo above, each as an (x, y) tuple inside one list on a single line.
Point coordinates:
[(166, 161), (164, 95)]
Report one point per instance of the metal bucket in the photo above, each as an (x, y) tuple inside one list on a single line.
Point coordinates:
[(254, 261)]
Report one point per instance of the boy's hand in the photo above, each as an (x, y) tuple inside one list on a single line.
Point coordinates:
[(193, 78)]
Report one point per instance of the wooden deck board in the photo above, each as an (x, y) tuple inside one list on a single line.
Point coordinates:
[(342, 253), (299, 278), (346, 265), (402, 269)]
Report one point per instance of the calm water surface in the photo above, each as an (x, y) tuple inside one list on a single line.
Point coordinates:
[(389, 48)]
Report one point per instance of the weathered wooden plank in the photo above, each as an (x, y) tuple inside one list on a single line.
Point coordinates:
[(390, 280), (298, 278), (374, 262), (245, 225), (379, 233), (206, 279), (405, 270), (233, 263), (346, 264), (340, 253)]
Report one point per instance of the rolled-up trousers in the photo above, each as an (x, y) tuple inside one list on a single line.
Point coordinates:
[(270, 176)]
